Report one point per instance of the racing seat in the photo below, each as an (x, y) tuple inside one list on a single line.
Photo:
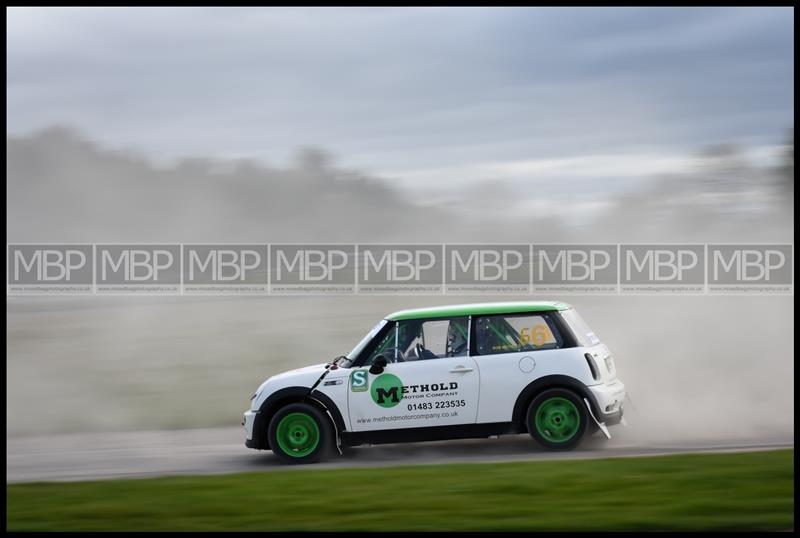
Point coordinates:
[(487, 340)]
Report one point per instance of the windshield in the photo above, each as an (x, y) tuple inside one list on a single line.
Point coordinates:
[(364, 341), (580, 328)]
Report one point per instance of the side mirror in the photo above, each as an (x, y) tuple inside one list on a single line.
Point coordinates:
[(378, 365)]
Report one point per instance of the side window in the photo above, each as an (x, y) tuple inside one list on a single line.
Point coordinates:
[(583, 333), (515, 333), (433, 339), (383, 342)]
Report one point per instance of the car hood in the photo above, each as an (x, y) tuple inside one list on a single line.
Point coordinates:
[(299, 377), (305, 376)]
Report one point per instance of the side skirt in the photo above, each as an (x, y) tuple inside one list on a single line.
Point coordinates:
[(435, 433)]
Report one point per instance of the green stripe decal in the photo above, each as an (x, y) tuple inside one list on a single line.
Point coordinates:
[(481, 309)]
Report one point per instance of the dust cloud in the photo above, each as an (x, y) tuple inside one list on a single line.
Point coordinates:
[(697, 367)]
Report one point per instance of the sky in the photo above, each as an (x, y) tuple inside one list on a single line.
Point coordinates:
[(426, 96)]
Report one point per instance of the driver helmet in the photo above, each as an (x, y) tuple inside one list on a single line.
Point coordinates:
[(456, 340)]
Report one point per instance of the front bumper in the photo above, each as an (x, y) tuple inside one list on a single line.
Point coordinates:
[(609, 399), (248, 422)]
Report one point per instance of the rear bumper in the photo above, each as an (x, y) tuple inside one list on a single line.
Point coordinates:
[(609, 399), (611, 419)]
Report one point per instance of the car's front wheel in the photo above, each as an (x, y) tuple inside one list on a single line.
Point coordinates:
[(300, 433), (557, 419)]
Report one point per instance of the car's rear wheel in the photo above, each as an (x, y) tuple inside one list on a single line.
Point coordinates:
[(557, 419), (300, 433)]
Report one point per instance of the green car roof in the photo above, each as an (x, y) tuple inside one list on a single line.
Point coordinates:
[(477, 309)]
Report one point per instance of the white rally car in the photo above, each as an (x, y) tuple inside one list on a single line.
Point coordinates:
[(448, 372)]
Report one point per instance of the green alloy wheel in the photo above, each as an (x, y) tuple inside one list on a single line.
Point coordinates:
[(300, 433), (557, 419)]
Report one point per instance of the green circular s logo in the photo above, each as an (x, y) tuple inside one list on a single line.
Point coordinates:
[(387, 390), (359, 381)]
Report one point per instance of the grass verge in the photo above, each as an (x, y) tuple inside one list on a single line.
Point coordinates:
[(746, 491)]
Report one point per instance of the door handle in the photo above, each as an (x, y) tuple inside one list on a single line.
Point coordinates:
[(460, 370)]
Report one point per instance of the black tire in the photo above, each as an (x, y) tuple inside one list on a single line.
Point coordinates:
[(304, 453), (559, 432)]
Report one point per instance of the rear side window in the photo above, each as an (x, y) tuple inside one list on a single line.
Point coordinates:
[(515, 333), (580, 328)]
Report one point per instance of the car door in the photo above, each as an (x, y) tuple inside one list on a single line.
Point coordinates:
[(436, 385), (511, 351)]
